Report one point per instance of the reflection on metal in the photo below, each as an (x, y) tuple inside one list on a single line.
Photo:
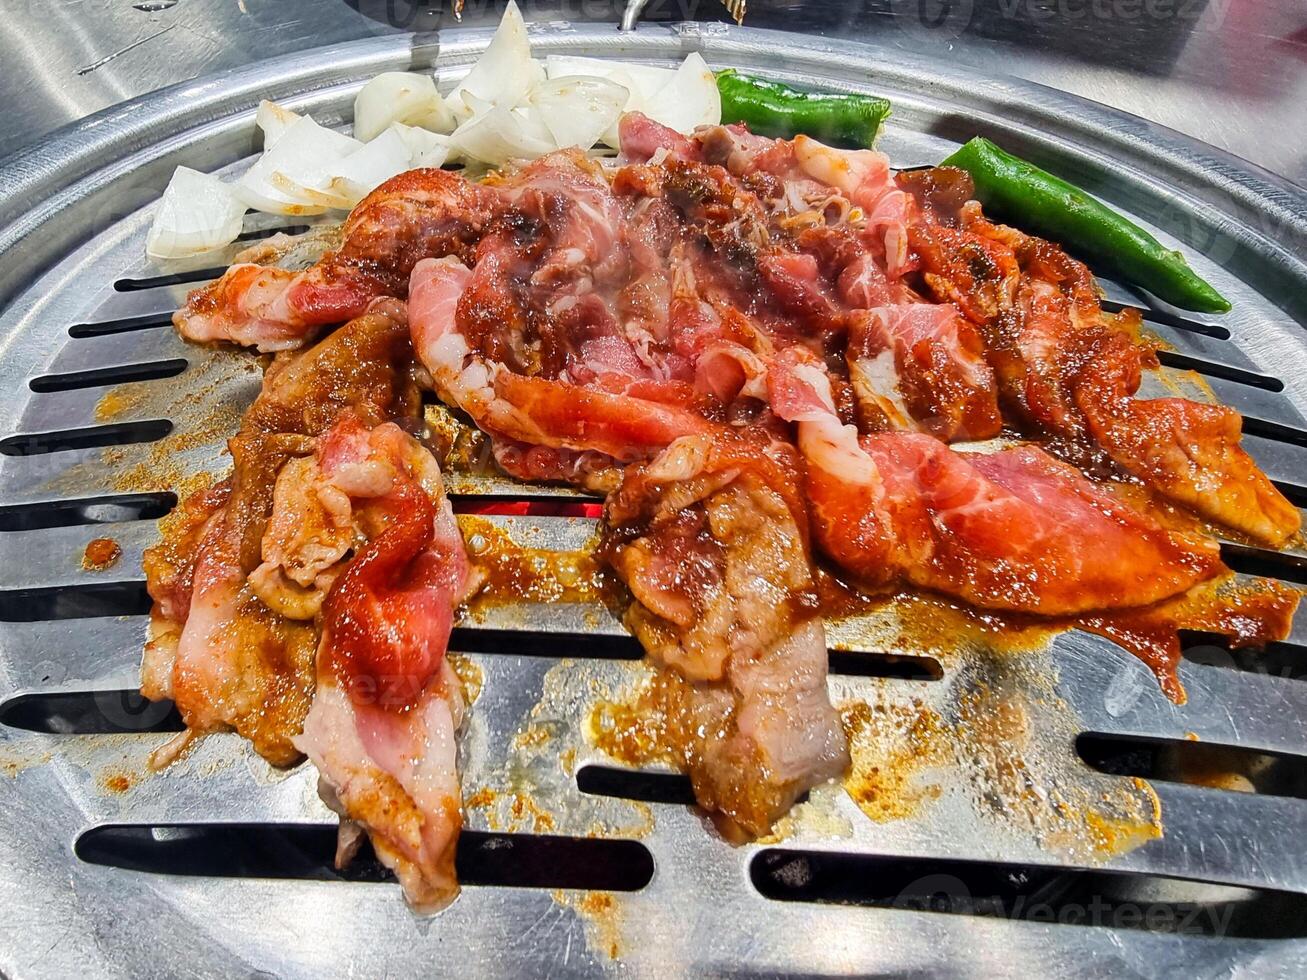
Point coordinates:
[(997, 779)]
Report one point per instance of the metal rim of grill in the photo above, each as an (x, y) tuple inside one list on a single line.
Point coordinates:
[(211, 869)]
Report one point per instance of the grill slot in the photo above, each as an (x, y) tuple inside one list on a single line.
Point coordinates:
[(135, 284), (108, 712), (87, 437), (306, 851), (74, 602), (634, 784), (101, 377), (1269, 564), (111, 509), (1060, 898), (1186, 363), (1155, 316), (126, 324), (1225, 768)]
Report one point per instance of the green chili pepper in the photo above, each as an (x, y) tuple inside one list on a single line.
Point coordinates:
[(1015, 189), (772, 109)]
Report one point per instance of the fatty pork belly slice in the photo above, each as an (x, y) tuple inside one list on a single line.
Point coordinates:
[(411, 216), (238, 663), (382, 730), (710, 538), (1068, 368), (1015, 529), (227, 661), (920, 366)]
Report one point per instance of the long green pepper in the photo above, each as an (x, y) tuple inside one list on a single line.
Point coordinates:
[(772, 109), (1013, 189)]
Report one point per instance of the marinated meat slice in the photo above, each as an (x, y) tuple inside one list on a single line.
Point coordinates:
[(365, 366), (236, 664), (619, 418), (1072, 370), (710, 538), (1014, 530), (383, 726), (414, 215), (227, 644), (921, 366), (1190, 453)]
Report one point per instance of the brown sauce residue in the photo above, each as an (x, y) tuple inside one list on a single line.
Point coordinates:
[(117, 782), (648, 727), (890, 747), (601, 915), (101, 553), (517, 573), (1247, 614)]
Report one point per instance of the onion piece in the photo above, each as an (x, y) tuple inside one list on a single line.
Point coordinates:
[(274, 120), (364, 170), (691, 100), (578, 109), (642, 81), (504, 73), (500, 135), (197, 214), (282, 181), (399, 97), (425, 148)]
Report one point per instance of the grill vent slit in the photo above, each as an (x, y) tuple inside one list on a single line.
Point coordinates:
[(1057, 897), (126, 324), (134, 284), (74, 602), (88, 437), (306, 851), (119, 508), (100, 377), (1220, 767)]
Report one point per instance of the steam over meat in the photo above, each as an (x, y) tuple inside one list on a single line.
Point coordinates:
[(710, 538), (739, 340)]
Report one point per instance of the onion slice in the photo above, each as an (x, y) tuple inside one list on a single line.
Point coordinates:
[(198, 213), (282, 180), (504, 73), (579, 109), (690, 100), (399, 97), (500, 135), (274, 120)]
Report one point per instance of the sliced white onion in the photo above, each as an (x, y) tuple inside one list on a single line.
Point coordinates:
[(578, 109), (274, 120), (690, 100), (504, 73), (399, 97), (284, 179), (197, 214), (501, 135), (642, 81), (361, 172), (425, 148)]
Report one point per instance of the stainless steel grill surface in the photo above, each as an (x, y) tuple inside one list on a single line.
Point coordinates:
[(572, 863)]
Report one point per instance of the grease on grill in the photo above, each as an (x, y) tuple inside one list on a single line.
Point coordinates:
[(534, 788), (600, 914), (101, 553), (520, 573)]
